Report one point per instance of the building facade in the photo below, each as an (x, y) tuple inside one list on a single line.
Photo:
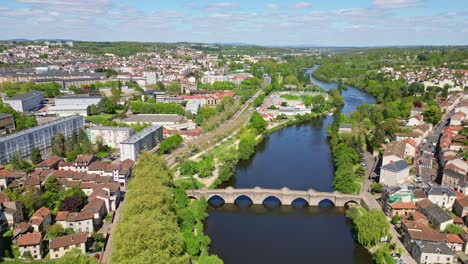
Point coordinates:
[(146, 139), (37, 137), (110, 136), (29, 101)]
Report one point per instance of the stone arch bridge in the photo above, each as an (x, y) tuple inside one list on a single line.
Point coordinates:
[(284, 195)]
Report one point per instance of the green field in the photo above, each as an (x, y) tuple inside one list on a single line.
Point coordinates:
[(98, 118)]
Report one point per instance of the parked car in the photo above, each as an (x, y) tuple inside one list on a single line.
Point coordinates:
[(364, 164)]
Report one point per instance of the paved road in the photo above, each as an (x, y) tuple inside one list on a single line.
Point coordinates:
[(371, 162), (108, 250)]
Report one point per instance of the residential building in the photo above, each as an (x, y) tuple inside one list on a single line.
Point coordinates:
[(394, 173), (12, 213), (110, 136), (146, 139), (438, 216), (161, 97), (454, 242), (7, 121), (398, 150), (49, 164), (30, 243), (78, 221), (37, 137), (29, 101), (402, 209), (167, 120), (74, 105), (430, 252), (61, 245), (41, 219), (414, 230), (399, 194), (442, 196), (460, 206), (454, 180), (345, 128)]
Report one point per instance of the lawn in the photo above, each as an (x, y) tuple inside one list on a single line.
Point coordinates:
[(221, 150), (99, 118)]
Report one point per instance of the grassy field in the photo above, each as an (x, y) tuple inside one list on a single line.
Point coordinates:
[(98, 118)]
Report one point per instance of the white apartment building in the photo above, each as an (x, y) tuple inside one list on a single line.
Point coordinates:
[(37, 137), (74, 105), (146, 139), (29, 101), (110, 136)]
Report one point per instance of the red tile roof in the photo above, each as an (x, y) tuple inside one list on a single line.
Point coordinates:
[(29, 239), (452, 238), (403, 205), (61, 216), (69, 240)]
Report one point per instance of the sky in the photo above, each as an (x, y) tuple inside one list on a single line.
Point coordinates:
[(261, 22)]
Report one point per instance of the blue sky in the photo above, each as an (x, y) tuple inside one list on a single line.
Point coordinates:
[(263, 22)]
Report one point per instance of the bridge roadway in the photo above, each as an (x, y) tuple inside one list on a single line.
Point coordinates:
[(284, 195)]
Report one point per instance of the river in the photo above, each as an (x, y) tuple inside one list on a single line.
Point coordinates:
[(297, 157)]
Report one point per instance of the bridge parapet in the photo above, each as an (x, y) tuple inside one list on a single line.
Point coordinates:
[(285, 195)]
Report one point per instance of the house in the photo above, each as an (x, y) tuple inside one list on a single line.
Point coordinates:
[(416, 136), (412, 231), (30, 244), (12, 212), (96, 206), (345, 128), (402, 209), (438, 216), (110, 193), (454, 180), (460, 206), (82, 162), (397, 150), (41, 219), (21, 229), (415, 120), (442, 196), (457, 119), (454, 242), (393, 174), (49, 164), (430, 252), (7, 177), (78, 221), (61, 245), (399, 194)]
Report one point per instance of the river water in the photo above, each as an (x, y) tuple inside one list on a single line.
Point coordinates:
[(297, 157)]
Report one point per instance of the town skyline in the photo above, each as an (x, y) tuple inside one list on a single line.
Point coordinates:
[(366, 23)]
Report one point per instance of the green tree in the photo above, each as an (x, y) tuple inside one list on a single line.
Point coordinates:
[(189, 167), (55, 230), (454, 229), (257, 122), (36, 156), (432, 114), (371, 227), (174, 87), (58, 145), (170, 143), (75, 256), (107, 105), (205, 167)]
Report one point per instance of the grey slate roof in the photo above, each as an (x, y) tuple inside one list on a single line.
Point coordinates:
[(26, 95), (2, 115), (111, 128), (136, 137), (440, 190), (148, 118), (437, 213), (431, 247), (453, 174), (396, 166)]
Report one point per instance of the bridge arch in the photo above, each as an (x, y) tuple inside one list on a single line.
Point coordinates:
[(272, 201), (216, 200), (348, 203), (326, 203), (299, 202), (243, 200)]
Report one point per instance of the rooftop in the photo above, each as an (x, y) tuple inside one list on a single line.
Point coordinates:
[(111, 128), (25, 95), (432, 247), (136, 137), (396, 166), (69, 240), (148, 118)]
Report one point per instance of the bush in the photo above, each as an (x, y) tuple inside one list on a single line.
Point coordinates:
[(189, 168), (395, 219), (205, 167)]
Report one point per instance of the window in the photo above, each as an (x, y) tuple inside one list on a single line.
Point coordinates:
[(56, 255), (66, 247)]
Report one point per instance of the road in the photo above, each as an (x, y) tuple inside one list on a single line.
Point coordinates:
[(105, 258), (369, 199)]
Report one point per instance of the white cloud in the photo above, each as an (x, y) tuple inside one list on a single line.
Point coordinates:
[(222, 5), (300, 5), (395, 3), (273, 6)]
